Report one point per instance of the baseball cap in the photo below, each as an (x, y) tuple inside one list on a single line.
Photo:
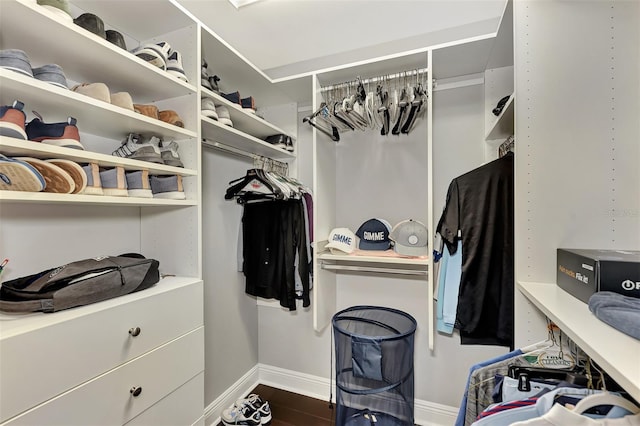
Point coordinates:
[(411, 238), (374, 235), (341, 240)]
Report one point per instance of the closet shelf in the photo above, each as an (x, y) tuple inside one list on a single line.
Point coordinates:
[(617, 353), (73, 45), (375, 264), (245, 121), (227, 135), (12, 147), (502, 127), (51, 198), (114, 122)]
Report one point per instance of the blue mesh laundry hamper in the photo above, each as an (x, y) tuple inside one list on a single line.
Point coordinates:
[(374, 366)]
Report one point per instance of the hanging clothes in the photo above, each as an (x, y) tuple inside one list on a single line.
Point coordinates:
[(274, 239), (479, 205)]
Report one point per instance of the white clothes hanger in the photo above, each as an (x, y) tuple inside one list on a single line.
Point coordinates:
[(605, 398)]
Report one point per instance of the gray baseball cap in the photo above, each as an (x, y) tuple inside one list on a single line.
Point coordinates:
[(411, 238)]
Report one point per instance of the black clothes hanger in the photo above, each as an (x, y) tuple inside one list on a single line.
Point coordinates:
[(333, 133), (240, 187), (384, 109), (403, 107)]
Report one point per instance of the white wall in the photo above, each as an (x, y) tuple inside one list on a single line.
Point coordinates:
[(230, 315), (578, 103)]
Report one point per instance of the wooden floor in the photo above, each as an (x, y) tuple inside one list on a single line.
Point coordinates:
[(291, 409)]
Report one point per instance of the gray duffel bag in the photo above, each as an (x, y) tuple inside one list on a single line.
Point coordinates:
[(79, 283)]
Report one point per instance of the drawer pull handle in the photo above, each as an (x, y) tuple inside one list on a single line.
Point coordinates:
[(135, 331), (135, 391)]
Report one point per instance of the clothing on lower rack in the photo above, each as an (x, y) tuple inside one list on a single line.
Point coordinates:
[(274, 236)]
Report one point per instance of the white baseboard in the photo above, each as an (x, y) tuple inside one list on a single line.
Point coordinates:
[(426, 413), (238, 390)]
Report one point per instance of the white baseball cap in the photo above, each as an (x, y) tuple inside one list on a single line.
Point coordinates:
[(411, 238), (342, 240)]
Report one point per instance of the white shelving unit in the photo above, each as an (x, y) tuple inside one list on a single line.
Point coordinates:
[(245, 121), (230, 136), (614, 351), (18, 147), (503, 125), (40, 230)]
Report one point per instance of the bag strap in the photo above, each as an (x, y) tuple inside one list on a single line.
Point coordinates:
[(41, 305)]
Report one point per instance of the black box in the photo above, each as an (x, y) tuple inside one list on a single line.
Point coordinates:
[(584, 272)]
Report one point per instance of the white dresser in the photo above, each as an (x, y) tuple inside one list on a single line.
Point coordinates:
[(137, 359)]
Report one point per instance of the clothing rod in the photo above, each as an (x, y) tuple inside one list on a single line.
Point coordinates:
[(377, 79), (229, 149), (333, 267)]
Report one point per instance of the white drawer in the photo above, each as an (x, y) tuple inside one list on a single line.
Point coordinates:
[(44, 355), (107, 400), (182, 407)]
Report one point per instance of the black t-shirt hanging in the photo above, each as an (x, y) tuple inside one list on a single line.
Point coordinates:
[(480, 205)]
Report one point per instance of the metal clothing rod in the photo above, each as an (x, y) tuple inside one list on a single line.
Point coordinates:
[(259, 161), (332, 267), (377, 79), (229, 149)]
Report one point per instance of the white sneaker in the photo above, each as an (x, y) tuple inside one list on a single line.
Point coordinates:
[(208, 108), (169, 154), (136, 148), (174, 66)]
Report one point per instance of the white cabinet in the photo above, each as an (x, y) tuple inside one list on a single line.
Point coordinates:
[(78, 366)]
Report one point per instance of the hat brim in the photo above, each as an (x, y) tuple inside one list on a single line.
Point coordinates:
[(411, 251), (374, 245), (339, 247)]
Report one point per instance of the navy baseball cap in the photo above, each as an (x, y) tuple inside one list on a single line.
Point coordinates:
[(374, 235)]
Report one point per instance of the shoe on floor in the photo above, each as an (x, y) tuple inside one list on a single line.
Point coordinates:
[(174, 66), (12, 120), (114, 182), (16, 60), (98, 91), (169, 154), (167, 187), (241, 414), (94, 184), (52, 74), (59, 134), (135, 147), (171, 117), (57, 180), (138, 184), (16, 175), (74, 170), (208, 108), (148, 110), (261, 405)]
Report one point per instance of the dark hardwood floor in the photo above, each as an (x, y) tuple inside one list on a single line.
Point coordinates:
[(291, 409)]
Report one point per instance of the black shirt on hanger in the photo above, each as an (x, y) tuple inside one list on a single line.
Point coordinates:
[(480, 205)]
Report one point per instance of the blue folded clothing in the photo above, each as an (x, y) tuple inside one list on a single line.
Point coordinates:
[(619, 311)]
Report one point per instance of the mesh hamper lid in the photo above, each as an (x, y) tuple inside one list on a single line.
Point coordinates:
[(380, 323)]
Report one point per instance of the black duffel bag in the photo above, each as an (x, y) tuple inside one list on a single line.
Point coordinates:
[(79, 283)]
